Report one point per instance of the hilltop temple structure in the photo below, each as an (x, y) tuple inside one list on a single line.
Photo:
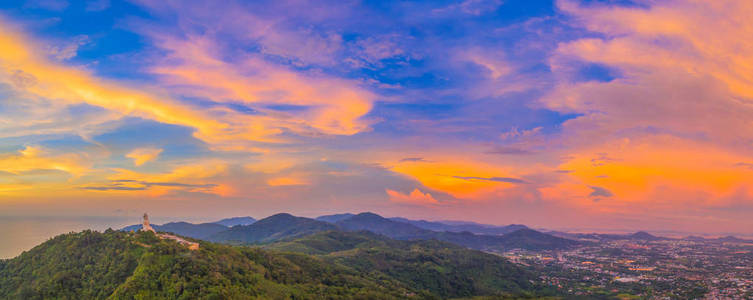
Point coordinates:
[(145, 226)]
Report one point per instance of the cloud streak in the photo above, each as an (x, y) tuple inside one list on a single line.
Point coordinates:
[(415, 197), (138, 185), (495, 179)]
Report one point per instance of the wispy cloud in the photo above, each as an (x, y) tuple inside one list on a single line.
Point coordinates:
[(598, 191), (36, 158), (334, 106), (509, 151), (496, 179), (413, 159), (143, 155), (137, 185)]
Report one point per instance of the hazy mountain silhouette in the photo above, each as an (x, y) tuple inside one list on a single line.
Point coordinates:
[(334, 218), (273, 228), (457, 226), (286, 226), (230, 222), (522, 238)]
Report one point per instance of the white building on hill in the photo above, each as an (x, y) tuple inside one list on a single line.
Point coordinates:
[(146, 226)]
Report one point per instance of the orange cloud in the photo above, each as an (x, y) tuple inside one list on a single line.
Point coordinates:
[(670, 128), (636, 169), (286, 181), (415, 197), (330, 106), (685, 35), (27, 172), (22, 66), (682, 69), (143, 155), (463, 179), (35, 158), (198, 177)]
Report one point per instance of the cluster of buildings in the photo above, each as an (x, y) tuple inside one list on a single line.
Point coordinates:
[(653, 269)]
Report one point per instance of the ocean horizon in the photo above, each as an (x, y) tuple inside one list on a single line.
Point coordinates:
[(22, 233)]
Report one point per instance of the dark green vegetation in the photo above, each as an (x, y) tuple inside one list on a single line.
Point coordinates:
[(339, 265), (197, 231), (72, 266), (442, 268)]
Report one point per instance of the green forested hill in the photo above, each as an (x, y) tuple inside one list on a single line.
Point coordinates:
[(443, 268), (125, 265), (82, 265)]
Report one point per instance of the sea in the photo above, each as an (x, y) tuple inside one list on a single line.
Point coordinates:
[(21, 233)]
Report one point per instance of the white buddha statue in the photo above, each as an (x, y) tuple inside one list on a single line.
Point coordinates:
[(146, 226)]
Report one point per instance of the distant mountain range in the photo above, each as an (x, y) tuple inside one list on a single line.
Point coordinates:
[(380, 225), (457, 226), (642, 236), (638, 236), (197, 231), (452, 226), (281, 227), (523, 238), (270, 229), (334, 218), (230, 222)]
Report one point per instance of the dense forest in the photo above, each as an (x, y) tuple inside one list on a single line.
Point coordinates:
[(442, 268), (328, 265)]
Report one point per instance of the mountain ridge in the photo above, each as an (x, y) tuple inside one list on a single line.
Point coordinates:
[(460, 226), (526, 239), (272, 228), (284, 226), (234, 221)]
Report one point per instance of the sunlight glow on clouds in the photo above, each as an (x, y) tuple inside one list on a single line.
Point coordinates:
[(414, 197), (462, 179), (34, 158), (31, 73), (626, 115), (143, 155), (330, 106)]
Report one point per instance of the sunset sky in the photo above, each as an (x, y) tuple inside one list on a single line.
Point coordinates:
[(557, 114)]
